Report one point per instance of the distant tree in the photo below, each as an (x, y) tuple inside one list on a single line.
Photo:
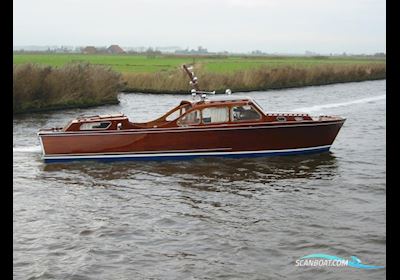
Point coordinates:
[(257, 52), (380, 54), (152, 53)]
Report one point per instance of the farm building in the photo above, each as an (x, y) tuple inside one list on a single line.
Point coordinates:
[(115, 49)]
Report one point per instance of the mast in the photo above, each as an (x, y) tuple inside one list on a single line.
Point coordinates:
[(195, 87), (192, 77), (194, 83)]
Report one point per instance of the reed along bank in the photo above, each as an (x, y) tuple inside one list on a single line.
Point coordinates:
[(261, 78), (41, 88)]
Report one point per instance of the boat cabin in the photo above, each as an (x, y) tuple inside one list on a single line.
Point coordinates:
[(210, 111)]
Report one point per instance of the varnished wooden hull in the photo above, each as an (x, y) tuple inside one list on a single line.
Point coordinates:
[(258, 139)]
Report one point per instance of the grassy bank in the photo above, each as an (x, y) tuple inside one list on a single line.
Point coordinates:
[(42, 88), (57, 81)]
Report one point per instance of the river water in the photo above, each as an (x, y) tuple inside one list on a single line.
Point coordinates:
[(211, 218)]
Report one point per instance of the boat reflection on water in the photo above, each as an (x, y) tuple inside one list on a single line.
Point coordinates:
[(208, 174)]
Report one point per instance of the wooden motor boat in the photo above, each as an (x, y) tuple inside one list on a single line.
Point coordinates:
[(226, 125)]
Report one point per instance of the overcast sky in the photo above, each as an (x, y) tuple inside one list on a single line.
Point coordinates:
[(286, 26)]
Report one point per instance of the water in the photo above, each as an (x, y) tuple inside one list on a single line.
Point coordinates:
[(209, 218)]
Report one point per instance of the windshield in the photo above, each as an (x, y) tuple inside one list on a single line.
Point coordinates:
[(258, 105)]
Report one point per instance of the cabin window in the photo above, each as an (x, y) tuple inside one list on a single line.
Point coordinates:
[(95, 125), (215, 115), (177, 113), (191, 118), (173, 116), (244, 113)]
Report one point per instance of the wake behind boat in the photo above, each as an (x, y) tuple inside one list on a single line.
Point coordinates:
[(228, 125)]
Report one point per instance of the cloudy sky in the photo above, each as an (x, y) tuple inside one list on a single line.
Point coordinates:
[(285, 26)]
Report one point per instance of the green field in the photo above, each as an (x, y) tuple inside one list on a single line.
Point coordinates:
[(222, 64)]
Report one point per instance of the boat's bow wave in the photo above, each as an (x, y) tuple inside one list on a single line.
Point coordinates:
[(27, 149)]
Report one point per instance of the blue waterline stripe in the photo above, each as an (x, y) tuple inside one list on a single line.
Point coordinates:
[(188, 156)]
